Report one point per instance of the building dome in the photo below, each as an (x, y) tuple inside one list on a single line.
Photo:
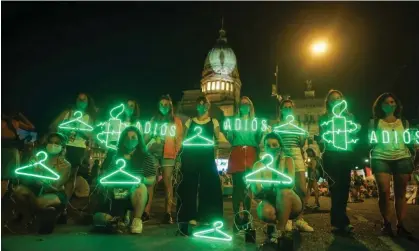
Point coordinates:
[(221, 58)]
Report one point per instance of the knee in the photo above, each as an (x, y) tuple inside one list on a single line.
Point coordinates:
[(384, 195), (140, 191), (21, 191), (266, 212)]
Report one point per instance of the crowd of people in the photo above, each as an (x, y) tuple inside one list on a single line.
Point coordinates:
[(198, 192)]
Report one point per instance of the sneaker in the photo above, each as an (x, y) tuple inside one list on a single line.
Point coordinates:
[(193, 222), (137, 226), (275, 236), (167, 219), (145, 217), (303, 226), (288, 227), (349, 229), (402, 232), (387, 230)]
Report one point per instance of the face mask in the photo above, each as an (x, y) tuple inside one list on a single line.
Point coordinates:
[(286, 111), (129, 111), (164, 110), (131, 144), (53, 149), (273, 151), (244, 109), (81, 105), (201, 109), (387, 108)]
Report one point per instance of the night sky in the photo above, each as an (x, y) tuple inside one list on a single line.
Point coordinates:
[(51, 51)]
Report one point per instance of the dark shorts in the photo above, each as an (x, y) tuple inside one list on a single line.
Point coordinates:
[(400, 166), (115, 207), (37, 191), (270, 196)]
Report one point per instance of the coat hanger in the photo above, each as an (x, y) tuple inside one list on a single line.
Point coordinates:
[(210, 233), (189, 141), (44, 156), (113, 128), (74, 124), (134, 180), (290, 119), (251, 177)]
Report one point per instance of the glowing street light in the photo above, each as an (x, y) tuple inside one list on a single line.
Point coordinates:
[(319, 48)]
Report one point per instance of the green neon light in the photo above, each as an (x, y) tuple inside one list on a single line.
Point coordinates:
[(285, 128), (341, 128), (385, 137), (43, 157), (76, 124), (112, 178), (240, 124), (286, 180), (113, 128), (210, 233), (197, 139)]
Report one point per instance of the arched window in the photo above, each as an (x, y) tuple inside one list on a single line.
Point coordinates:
[(213, 86), (218, 85), (209, 86)]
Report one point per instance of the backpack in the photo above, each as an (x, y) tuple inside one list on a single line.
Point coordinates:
[(411, 147)]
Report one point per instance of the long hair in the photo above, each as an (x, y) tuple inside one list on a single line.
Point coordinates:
[(170, 116), (136, 114), (140, 148), (377, 110), (91, 107), (252, 107), (327, 109), (281, 105)]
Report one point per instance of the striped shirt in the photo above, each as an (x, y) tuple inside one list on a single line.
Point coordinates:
[(290, 139), (137, 166)]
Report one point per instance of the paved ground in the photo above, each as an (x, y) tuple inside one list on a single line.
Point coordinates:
[(364, 216)]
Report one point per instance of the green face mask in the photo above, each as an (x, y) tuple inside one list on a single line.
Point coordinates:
[(164, 110), (129, 111), (286, 111), (202, 109), (131, 144), (244, 109), (387, 108), (81, 105)]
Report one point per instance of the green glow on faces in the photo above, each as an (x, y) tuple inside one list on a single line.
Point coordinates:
[(341, 128), (243, 124), (295, 129), (286, 180), (210, 233), (130, 179), (76, 124), (43, 156), (113, 128), (386, 137), (197, 139)]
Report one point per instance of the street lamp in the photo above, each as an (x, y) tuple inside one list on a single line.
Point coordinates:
[(319, 48)]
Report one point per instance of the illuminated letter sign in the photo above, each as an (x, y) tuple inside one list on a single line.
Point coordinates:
[(392, 137), (156, 129), (341, 128), (238, 124), (32, 169)]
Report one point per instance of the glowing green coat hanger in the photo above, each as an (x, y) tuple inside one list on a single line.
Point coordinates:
[(252, 177), (43, 157), (197, 139), (113, 128), (210, 233), (76, 124), (339, 135), (112, 178), (295, 129)]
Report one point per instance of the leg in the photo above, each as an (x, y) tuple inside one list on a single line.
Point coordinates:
[(26, 197), (316, 192), (150, 192), (167, 179), (139, 200), (210, 205), (187, 196), (4, 185), (238, 195), (400, 184), (383, 177), (48, 200), (301, 185)]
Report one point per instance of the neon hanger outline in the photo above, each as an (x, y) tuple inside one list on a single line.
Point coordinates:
[(290, 119), (268, 166), (216, 229), (187, 142), (120, 170), (78, 116), (41, 163)]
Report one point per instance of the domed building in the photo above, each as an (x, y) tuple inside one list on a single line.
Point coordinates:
[(220, 82)]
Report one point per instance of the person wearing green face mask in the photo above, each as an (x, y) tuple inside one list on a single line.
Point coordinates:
[(199, 169), (131, 113), (292, 147), (164, 149), (139, 163), (244, 152), (391, 159), (78, 141)]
